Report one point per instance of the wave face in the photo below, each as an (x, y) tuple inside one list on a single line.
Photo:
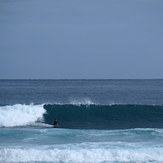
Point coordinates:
[(104, 116)]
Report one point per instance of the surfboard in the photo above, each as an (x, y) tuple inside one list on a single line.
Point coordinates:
[(55, 126)]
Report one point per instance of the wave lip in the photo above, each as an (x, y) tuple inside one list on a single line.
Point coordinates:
[(20, 115)]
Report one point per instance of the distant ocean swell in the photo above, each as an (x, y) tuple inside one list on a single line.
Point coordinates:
[(83, 116)]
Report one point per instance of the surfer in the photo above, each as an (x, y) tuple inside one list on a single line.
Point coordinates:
[(55, 123)]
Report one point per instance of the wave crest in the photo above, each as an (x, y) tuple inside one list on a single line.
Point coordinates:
[(82, 102)]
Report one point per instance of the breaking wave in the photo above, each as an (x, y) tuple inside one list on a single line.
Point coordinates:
[(83, 116), (20, 115)]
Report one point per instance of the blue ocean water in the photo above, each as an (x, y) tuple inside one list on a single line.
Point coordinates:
[(100, 121)]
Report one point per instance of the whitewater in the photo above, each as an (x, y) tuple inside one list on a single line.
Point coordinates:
[(20, 115), (100, 121)]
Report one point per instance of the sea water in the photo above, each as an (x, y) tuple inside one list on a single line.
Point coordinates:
[(100, 121)]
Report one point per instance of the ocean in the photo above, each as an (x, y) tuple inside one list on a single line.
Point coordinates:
[(100, 121)]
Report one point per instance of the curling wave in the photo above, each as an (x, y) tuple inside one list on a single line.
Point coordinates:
[(83, 116)]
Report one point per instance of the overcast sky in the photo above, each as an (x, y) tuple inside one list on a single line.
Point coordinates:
[(81, 39)]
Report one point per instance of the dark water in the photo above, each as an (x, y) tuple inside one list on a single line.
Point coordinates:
[(105, 116), (100, 121)]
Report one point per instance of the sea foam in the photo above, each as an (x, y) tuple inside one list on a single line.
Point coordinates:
[(82, 102), (20, 115), (69, 155)]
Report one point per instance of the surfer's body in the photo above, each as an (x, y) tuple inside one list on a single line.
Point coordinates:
[(55, 123)]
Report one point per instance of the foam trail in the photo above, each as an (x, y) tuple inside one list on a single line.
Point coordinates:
[(20, 115), (76, 155)]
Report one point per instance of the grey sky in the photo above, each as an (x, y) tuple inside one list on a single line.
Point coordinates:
[(81, 39)]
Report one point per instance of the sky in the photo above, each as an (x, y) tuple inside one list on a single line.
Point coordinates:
[(81, 39)]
